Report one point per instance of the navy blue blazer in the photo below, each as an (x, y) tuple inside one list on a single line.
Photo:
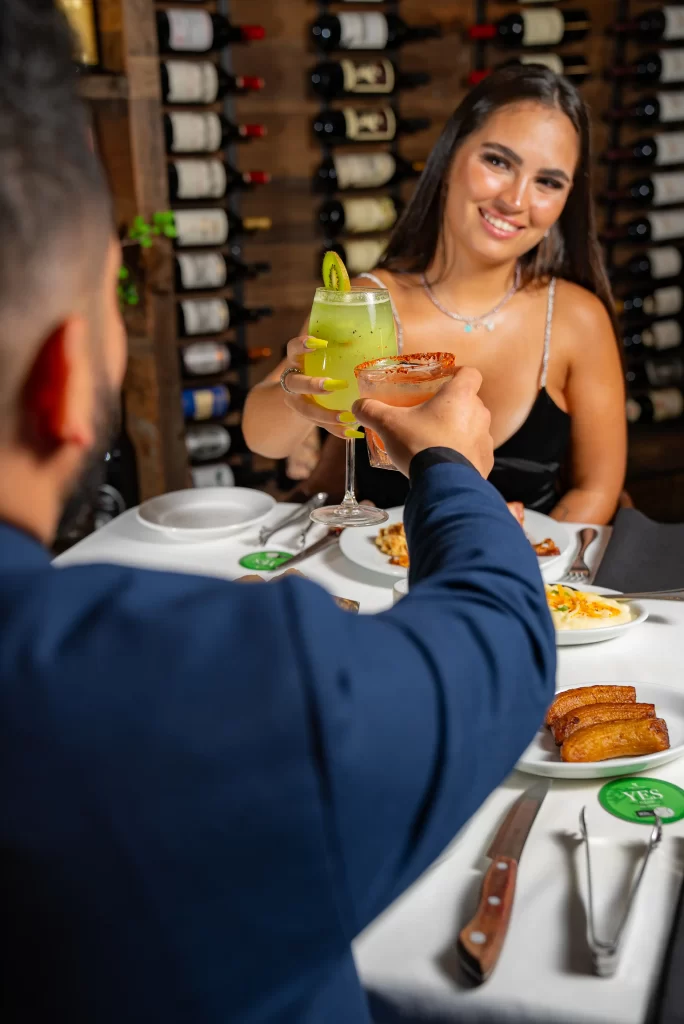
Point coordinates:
[(208, 789)]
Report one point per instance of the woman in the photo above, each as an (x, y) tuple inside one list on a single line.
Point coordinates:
[(496, 259)]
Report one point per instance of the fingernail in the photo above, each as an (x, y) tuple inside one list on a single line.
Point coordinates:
[(347, 417), (353, 433), (334, 385), (315, 343)]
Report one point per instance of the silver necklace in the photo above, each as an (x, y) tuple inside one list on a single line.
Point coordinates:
[(473, 323)]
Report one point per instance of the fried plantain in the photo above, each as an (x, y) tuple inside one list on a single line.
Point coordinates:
[(616, 739), (593, 714), (568, 700)]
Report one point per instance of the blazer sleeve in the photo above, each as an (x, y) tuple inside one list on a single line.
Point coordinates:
[(417, 714)]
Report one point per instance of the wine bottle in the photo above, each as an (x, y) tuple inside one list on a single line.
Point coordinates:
[(661, 189), (359, 255), (548, 27), (358, 216), (660, 335), (651, 227), (211, 403), (81, 17), (658, 108), (661, 150), (665, 66), (666, 23), (202, 81), (209, 179), (206, 132), (213, 226), (207, 270), (665, 301), (205, 358), (336, 78), (182, 31), (656, 406), (655, 372), (373, 124), (213, 441), (368, 31), (345, 171), (654, 264), (214, 316), (572, 65), (216, 475)]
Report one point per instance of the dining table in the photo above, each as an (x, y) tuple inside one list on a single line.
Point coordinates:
[(407, 957)]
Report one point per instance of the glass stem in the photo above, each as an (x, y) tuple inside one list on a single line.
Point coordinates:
[(350, 473)]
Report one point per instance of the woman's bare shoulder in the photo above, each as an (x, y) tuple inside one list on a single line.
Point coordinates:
[(396, 283), (579, 307)]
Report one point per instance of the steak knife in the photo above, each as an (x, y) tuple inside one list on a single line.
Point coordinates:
[(481, 941)]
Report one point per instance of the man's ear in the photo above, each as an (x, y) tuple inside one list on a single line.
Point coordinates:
[(57, 399)]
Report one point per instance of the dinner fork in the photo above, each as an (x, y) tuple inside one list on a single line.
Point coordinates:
[(579, 570)]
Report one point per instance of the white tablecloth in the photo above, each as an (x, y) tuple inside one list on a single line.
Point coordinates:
[(406, 956)]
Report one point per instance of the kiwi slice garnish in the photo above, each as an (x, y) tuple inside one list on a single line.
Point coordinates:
[(335, 274)]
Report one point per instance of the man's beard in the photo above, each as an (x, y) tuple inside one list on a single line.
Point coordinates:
[(80, 502)]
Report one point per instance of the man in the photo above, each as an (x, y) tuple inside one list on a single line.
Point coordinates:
[(208, 789)]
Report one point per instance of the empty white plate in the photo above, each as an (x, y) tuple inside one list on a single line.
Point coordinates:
[(206, 513), (542, 757)]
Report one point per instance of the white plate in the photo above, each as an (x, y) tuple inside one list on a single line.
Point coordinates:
[(574, 637), (359, 544), (205, 513), (542, 757)]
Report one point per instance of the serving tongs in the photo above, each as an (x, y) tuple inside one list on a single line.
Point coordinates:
[(302, 512), (605, 953)]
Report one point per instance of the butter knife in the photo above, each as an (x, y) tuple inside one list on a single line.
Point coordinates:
[(302, 512), (481, 941), (330, 538)]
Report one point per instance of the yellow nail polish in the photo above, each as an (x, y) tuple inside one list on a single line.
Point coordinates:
[(351, 434), (315, 343), (347, 417), (334, 385)]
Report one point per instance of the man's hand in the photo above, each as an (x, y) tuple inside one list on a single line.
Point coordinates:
[(454, 418)]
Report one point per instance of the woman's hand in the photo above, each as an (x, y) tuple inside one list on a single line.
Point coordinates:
[(341, 424)]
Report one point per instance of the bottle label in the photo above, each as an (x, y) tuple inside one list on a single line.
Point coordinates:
[(361, 170), (361, 215), (672, 64), (674, 23), (542, 27), (190, 30), (668, 404), (201, 179), (549, 60), (207, 270), (665, 262), (376, 76), (206, 443), (663, 335), (201, 227), (670, 146), (671, 106), (662, 375), (666, 225), (363, 256), (363, 31), (206, 358), (379, 125), (192, 81), (81, 18), (668, 188), (213, 476), (667, 301), (205, 316), (196, 133)]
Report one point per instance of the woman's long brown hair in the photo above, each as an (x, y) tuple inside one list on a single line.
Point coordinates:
[(572, 249)]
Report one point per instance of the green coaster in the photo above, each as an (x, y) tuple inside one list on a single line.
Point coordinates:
[(636, 799), (265, 561)]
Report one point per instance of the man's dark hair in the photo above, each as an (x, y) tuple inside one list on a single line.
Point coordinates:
[(54, 207)]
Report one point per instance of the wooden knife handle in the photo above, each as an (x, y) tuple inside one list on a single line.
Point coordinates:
[(481, 941)]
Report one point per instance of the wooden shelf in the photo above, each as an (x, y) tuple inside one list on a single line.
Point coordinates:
[(103, 87)]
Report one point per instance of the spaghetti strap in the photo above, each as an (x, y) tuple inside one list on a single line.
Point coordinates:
[(397, 319), (547, 333)]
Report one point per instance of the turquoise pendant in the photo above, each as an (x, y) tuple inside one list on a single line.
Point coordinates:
[(468, 328)]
